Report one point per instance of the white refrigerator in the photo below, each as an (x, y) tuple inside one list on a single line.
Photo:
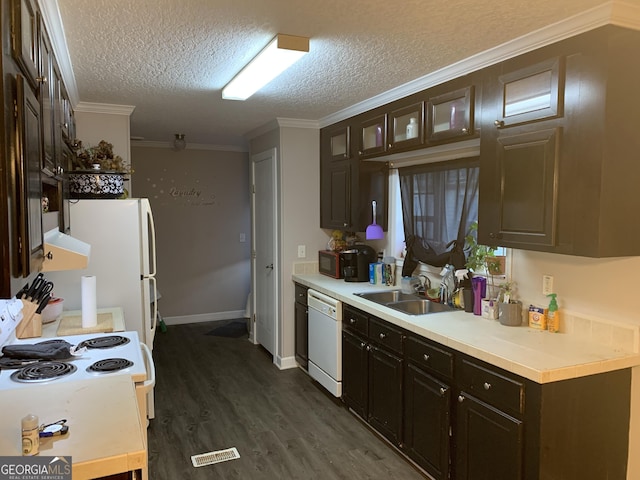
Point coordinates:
[(121, 234)]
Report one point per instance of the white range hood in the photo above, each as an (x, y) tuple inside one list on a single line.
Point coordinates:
[(63, 252)]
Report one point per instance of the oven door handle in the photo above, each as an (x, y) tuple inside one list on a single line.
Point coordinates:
[(151, 375)]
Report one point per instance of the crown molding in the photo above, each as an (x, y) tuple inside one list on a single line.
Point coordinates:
[(614, 12), (87, 107), (190, 146), (297, 123), (281, 122)]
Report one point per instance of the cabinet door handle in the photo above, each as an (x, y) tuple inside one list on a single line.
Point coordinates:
[(42, 79), (362, 344), (426, 357), (465, 130), (352, 321), (443, 390), (460, 398), (368, 348), (382, 336), (499, 123), (487, 385), (390, 145)]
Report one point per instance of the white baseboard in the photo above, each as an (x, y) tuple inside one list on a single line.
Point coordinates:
[(204, 317), (284, 363)]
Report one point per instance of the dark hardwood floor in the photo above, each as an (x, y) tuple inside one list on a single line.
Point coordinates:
[(214, 393)]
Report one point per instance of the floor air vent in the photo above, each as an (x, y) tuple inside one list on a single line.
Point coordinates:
[(210, 458)]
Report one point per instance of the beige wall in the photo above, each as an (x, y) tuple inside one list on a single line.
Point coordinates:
[(300, 213), (91, 127), (299, 210), (200, 201)]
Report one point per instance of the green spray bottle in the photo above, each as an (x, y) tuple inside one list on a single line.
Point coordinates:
[(553, 315)]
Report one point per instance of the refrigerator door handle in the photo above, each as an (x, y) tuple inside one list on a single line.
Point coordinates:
[(154, 313), (152, 243)]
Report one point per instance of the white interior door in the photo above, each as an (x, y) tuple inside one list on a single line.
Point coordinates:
[(265, 266)]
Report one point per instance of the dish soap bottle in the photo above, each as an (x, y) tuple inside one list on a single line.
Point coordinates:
[(553, 315)]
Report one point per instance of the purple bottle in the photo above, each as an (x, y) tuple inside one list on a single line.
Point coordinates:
[(479, 285)]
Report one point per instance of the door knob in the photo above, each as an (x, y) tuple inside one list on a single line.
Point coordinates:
[(270, 266)]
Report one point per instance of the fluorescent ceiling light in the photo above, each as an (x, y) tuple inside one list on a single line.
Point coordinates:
[(282, 52)]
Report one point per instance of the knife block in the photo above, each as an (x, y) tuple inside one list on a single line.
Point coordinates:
[(31, 324)]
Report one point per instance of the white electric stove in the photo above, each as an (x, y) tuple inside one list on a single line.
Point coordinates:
[(106, 354)]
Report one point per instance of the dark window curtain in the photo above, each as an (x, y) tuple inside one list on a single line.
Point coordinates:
[(439, 203)]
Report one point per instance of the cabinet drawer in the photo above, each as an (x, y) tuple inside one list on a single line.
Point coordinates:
[(355, 320), (429, 357), (491, 386), (301, 294), (385, 335)]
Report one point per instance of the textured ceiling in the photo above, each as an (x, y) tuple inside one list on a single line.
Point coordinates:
[(171, 58)]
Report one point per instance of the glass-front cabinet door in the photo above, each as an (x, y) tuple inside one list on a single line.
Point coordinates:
[(406, 127), (373, 136), (532, 93), (340, 143), (450, 115)]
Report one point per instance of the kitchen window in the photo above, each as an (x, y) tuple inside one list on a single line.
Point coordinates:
[(439, 203)]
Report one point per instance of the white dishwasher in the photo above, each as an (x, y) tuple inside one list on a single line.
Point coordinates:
[(325, 341)]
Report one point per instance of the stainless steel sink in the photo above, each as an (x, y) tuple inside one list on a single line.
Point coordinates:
[(407, 303), (387, 297), (419, 307)]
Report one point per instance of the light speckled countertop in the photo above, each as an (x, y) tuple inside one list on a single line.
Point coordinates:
[(537, 355)]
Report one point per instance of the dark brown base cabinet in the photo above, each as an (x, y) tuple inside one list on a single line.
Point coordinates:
[(458, 417), (488, 442), (301, 326), (355, 365), (372, 373), (385, 393), (427, 421)]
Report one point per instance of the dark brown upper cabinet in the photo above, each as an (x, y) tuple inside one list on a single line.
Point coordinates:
[(24, 38), (373, 136), (558, 148), (339, 142), (406, 127), (47, 97), (532, 93), (28, 241), (451, 115)]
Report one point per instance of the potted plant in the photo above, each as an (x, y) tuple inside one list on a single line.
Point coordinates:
[(97, 172), (495, 264), (478, 254), (509, 309)]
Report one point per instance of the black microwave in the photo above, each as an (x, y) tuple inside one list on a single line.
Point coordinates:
[(330, 263)]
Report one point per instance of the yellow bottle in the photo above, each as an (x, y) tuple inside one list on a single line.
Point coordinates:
[(553, 315)]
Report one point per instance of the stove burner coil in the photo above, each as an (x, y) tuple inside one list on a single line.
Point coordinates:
[(104, 342), (108, 365), (43, 371)]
